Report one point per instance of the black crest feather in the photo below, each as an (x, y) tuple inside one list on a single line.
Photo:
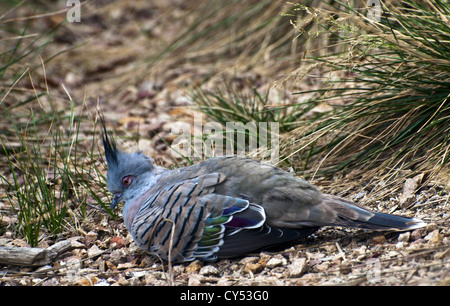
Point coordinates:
[(109, 144)]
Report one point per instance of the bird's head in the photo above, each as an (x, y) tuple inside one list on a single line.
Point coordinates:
[(127, 172)]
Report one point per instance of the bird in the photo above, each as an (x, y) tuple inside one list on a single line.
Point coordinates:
[(225, 207)]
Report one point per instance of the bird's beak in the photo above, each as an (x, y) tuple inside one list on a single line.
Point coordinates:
[(116, 199)]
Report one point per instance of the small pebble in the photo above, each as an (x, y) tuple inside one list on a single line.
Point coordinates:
[(379, 239), (209, 270), (194, 266), (195, 280), (404, 237), (94, 251), (434, 237), (297, 267), (276, 261), (253, 267)]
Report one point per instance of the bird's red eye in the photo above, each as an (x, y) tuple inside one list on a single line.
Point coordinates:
[(127, 180)]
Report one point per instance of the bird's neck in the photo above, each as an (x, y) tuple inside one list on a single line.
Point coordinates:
[(142, 193)]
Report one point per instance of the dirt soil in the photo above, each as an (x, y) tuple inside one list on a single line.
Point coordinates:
[(105, 59)]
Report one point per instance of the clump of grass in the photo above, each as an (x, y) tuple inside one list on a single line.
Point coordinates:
[(262, 36), (389, 91), (50, 175), (40, 200), (234, 105), (52, 179), (241, 114)]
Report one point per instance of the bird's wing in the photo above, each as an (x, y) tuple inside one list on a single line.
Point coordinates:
[(290, 202), (187, 220)]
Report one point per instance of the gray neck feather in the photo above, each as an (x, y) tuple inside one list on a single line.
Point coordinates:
[(140, 194)]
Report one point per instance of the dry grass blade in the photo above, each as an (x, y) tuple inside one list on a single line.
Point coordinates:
[(169, 260)]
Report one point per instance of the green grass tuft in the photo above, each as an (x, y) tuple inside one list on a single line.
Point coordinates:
[(50, 174), (389, 91)]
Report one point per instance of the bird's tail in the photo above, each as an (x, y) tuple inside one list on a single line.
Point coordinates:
[(350, 215)]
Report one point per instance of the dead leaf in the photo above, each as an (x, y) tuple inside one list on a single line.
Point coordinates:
[(118, 241)]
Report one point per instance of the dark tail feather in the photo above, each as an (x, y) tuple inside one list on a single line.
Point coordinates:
[(252, 240), (351, 215), (385, 221)]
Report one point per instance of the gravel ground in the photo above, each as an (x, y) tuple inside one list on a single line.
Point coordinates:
[(106, 255)]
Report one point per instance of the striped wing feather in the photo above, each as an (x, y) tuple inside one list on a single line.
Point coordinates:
[(197, 217)]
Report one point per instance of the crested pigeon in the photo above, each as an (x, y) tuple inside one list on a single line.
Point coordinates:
[(225, 206)]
